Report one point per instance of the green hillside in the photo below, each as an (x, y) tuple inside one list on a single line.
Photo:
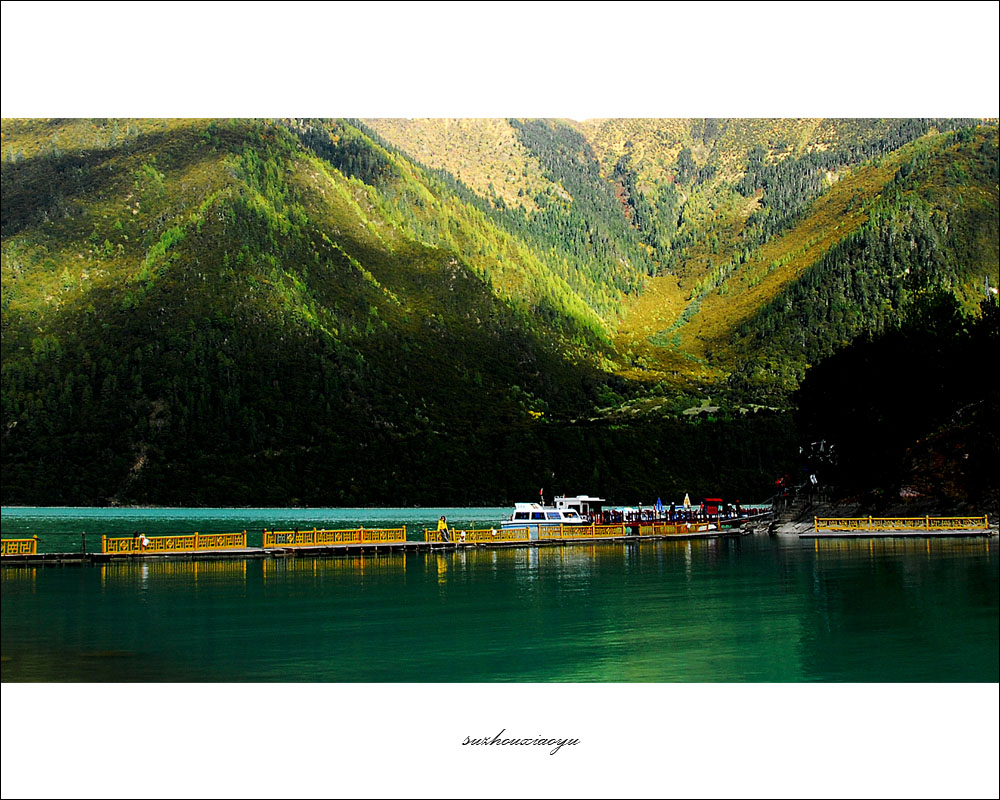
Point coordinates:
[(332, 312), (752, 315), (933, 225), (215, 309)]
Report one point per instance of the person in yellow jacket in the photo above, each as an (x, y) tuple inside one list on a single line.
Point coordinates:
[(443, 529)]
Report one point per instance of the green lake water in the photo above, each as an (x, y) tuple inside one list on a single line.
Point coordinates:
[(758, 608)]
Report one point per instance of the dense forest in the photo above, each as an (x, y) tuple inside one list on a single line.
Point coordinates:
[(923, 231), (299, 311), (913, 408)]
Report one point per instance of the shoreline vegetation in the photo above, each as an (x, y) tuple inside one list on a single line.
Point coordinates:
[(849, 507)]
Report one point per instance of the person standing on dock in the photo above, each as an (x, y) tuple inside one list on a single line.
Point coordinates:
[(443, 529)]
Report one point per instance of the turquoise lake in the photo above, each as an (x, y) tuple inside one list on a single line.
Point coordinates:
[(748, 609)]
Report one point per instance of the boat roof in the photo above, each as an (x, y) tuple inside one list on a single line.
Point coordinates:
[(560, 502)]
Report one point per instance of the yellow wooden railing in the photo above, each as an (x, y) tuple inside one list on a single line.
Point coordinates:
[(624, 529), (320, 538), (174, 544), (673, 528), (863, 524), (583, 531), (19, 547), (479, 535), (570, 532)]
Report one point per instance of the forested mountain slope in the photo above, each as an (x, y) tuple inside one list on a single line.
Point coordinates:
[(206, 302), (390, 311)]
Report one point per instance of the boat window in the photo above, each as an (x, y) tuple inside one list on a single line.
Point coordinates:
[(570, 515), (521, 515), (537, 515), (554, 515)]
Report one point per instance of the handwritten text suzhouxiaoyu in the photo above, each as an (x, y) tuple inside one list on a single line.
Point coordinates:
[(555, 744)]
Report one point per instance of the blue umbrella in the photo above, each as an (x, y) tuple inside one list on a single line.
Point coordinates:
[(659, 505)]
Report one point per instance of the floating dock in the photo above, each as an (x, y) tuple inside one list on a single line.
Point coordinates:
[(290, 544), (883, 527)]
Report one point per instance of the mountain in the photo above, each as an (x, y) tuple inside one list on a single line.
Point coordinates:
[(424, 311)]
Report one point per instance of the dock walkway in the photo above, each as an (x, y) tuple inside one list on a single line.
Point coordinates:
[(347, 548), (908, 527)]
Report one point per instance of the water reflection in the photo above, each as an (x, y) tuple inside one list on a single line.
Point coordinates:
[(902, 546), (753, 609), (145, 573), (19, 575), (360, 565)]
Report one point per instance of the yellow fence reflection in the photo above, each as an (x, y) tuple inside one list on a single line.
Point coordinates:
[(201, 568), (13, 572), (889, 546), (361, 566)]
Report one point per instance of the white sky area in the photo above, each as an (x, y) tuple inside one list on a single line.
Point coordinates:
[(575, 60), (570, 60)]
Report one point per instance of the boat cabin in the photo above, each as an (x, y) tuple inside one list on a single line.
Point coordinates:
[(535, 513), (584, 505)]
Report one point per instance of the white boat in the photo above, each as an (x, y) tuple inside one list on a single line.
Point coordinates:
[(536, 517)]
